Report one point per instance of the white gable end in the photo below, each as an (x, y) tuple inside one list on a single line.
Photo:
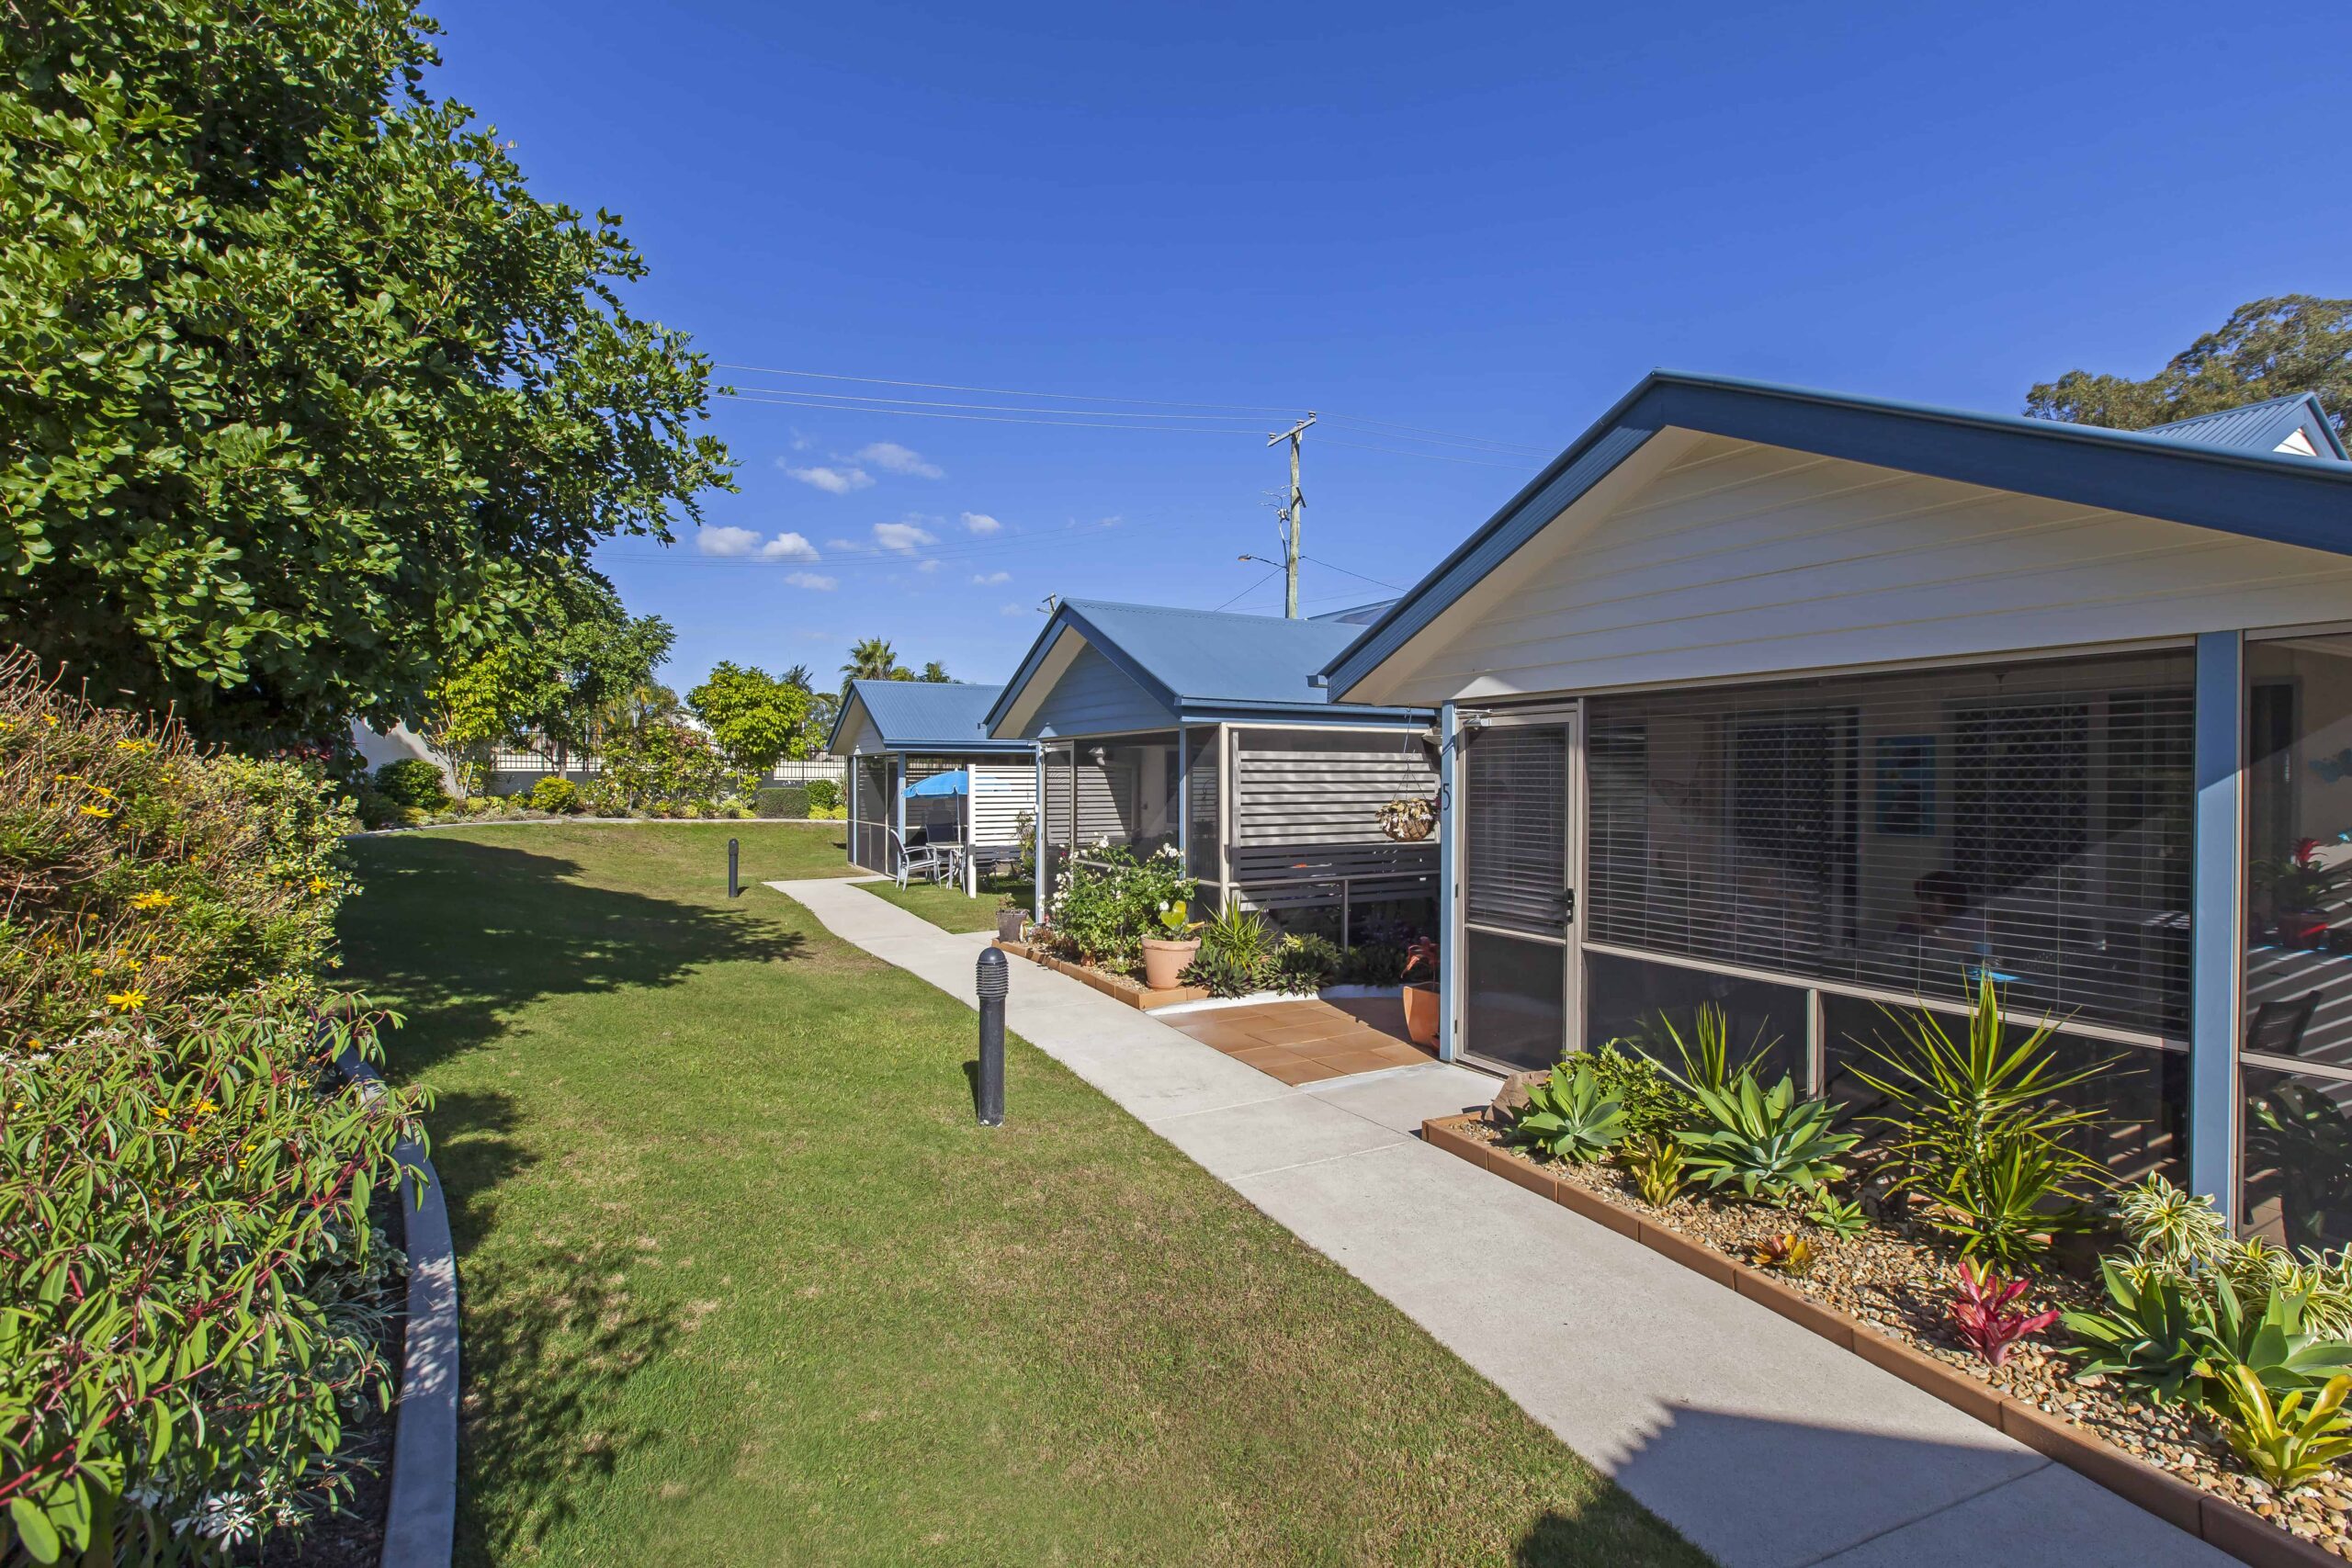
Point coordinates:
[(1729, 559), (2299, 443)]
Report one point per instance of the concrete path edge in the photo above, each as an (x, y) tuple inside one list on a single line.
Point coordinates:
[(421, 1513)]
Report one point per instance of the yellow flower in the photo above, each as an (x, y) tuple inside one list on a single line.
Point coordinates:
[(204, 1107), (100, 812), (50, 719), (131, 1000), (134, 745), (319, 883), (161, 1111), (151, 900)]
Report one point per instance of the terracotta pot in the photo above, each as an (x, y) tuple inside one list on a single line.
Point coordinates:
[(1420, 1014), (1164, 961), (1008, 924)]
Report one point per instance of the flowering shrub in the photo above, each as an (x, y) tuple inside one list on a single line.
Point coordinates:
[(137, 871), (191, 1292), (1108, 902), (665, 764)]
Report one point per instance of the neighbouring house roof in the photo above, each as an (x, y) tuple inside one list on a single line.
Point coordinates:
[(923, 715), (2292, 426), (2184, 479), (1361, 615), (1195, 663)]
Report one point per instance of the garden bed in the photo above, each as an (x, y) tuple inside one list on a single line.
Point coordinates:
[(1884, 1294), (1118, 987)]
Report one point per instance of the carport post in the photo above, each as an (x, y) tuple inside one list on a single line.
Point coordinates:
[(1037, 840)]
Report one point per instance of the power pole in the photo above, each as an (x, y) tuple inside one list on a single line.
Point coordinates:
[(1290, 517)]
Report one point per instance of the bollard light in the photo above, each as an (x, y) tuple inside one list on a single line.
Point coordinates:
[(994, 980), (734, 885)]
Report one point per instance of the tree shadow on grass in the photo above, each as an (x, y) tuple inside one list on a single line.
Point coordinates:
[(456, 935), (550, 1339)]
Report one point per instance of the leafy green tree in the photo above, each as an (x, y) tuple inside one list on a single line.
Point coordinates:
[(754, 717), (304, 397), (2269, 348)]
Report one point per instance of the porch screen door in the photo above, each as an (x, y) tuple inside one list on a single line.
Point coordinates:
[(1517, 902)]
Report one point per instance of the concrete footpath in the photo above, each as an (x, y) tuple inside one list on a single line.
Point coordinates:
[(1766, 1446)]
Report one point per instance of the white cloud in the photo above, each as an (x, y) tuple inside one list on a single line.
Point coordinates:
[(982, 523), (927, 566), (903, 537), (813, 580), (987, 577), (788, 546), (833, 481), (726, 541), (839, 544), (1013, 609), (893, 459)]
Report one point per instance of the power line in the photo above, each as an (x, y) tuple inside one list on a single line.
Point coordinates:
[(857, 403), (1441, 435), (849, 555), (1360, 577), (1433, 456), (776, 400), (1010, 392), (1252, 588)]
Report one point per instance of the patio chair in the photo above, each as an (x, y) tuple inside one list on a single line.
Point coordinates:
[(922, 857)]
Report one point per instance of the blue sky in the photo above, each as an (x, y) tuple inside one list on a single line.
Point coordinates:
[(1480, 224)]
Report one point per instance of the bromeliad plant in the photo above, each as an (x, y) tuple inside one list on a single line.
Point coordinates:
[(1787, 1253), (1655, 1162), (2283, 1443), (1984, 1314), (1570, 1116), (1768, 1142)]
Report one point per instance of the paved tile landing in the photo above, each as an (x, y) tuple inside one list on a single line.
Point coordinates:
[(1306, 1041)]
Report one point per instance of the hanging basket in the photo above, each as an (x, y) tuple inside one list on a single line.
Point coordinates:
[(1409, 820)]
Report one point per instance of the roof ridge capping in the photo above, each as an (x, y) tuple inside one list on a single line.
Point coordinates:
[(2283, 496)]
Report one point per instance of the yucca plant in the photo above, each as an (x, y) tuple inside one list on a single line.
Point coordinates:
[(2283, 1443), (1658, 1168), (1706, 1052), (1569, 1116), (1766, 1142), (2010, 1204)]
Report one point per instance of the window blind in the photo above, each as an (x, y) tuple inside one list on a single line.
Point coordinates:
[(1911, 833), (1515, 828)]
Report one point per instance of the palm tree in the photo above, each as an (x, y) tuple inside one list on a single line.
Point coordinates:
[(798, 676), (935, 673), (872, 659)]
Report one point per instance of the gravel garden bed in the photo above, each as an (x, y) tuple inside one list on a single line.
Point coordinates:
[(1898, 1276)]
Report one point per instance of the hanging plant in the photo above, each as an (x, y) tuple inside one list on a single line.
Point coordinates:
[(1409, 820)]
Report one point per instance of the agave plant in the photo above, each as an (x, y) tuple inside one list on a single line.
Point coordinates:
[(1767, 1142), (2284, 1444), (1842, 1217), (1982, 1314), (2277, 1346), (1570, 1116), (2149, 1336)]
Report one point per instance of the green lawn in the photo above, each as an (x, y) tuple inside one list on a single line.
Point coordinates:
[(945, 905), (743, 1284)]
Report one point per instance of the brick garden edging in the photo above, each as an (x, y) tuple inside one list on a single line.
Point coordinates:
[(2242, 1534), (1116, 987), (421, 1512)]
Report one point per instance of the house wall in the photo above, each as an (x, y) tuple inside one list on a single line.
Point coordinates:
[(1735, 560), (1094, 696)]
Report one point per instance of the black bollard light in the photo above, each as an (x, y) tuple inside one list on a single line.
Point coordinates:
[(994, 981), (734, 887)]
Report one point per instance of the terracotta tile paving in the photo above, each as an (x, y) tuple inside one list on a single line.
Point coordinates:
[(1308, 1039)]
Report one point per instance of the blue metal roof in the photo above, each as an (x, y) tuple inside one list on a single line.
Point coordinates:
[(2262, 495), (2261, 427), (1202, 663), (925, 715)]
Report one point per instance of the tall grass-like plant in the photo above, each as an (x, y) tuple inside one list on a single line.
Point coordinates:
[(1706, 1054), (1975, 1129)]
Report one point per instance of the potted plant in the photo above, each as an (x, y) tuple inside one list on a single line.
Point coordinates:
[(1420, 996), (2299, 886), (1169, 955), (1409, 820), (1009, 918)]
